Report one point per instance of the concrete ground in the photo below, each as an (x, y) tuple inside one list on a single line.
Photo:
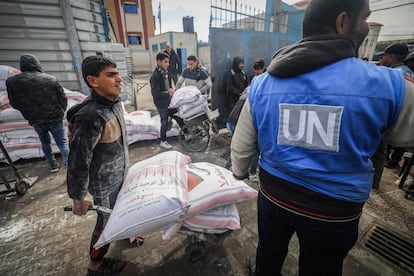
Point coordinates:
[(38, 238)]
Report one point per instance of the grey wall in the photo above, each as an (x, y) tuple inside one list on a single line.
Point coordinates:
[(229, 43)]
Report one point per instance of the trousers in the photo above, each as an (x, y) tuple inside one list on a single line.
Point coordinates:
[(323, 245)]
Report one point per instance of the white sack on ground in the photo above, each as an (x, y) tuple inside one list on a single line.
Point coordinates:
[(211, 186), (17, 135), (140, 126), (154, 194)]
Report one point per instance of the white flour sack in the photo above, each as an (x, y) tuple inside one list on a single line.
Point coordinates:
[(210, 186), (215, 221), (154, 194), (186, 94)]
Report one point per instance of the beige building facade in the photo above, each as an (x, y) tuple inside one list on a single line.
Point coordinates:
[(131, 22)]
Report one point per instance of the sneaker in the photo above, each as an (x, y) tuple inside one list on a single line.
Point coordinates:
[(392, 164), (54, 168), (165, 145)]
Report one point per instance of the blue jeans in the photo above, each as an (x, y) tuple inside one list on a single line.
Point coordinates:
[(164, 114), (58, 132), (323, 245)]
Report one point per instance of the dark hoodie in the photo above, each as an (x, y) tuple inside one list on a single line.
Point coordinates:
[(38, 96), (310, 54), (236, 82)]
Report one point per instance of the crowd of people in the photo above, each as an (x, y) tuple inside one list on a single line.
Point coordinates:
[(300, 126)]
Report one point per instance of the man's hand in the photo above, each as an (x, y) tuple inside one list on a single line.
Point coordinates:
[(171, 91), (80, 207)]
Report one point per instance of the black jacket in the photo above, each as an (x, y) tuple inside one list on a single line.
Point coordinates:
[(159, 90), (38, 96), (175, 66), (98, 156), (236, 81)]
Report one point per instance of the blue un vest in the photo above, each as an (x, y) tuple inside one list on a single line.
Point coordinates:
[(319, 129)]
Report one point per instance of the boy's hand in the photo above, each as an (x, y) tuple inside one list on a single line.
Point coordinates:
[(80, 207)]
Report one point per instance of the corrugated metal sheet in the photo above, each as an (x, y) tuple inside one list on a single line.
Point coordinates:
[(37, 27)]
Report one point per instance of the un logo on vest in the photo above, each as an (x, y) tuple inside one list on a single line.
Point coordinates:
[(310, 126)]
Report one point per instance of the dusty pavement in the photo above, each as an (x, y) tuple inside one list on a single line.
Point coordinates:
[(38, 238)]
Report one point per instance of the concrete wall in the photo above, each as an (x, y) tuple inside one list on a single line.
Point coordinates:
[(141, 61), (38, 27), (204, 55), (229, 43)]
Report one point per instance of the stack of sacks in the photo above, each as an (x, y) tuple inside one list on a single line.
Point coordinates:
[(153, 195), (212, 192), (167, 193), (140, 126), (18, 137), (189, 102)]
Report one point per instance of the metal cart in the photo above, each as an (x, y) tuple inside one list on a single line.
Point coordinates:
[(195, 134), (18, 183)]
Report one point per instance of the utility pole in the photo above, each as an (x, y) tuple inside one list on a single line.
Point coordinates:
[(235, 14), (74, 44), (159, 15), (273, 13), (277, 16)]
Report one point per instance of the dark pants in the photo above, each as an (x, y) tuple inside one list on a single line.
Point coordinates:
[(323, 245), (396, 155), (174, 77), (101, 220), (164, 114), (378, 161)]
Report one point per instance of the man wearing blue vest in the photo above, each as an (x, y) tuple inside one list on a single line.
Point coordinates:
[(316, 124)]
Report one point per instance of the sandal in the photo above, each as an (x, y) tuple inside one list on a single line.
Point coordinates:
[(108, 266), (137, 242)]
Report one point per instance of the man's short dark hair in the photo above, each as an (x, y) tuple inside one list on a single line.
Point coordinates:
[(258, 64), (162, 55), (320, 16), (93, 65), (192, 57)]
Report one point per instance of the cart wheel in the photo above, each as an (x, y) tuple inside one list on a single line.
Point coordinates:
[(196, 251), (21, 187), (194, 137)]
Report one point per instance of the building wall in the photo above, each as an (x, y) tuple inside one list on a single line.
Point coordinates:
[(204, 55), (141, 25), (38, 27), (186, 43)]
